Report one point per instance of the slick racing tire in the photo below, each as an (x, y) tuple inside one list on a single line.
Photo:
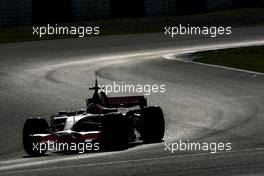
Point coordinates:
[(31, 127), (115, 132), (152, 124)]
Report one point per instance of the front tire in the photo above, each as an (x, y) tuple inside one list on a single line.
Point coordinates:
[(31, 127), (115, 132)]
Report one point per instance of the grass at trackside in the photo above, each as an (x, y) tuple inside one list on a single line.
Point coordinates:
[(234, 18), (248, 58)]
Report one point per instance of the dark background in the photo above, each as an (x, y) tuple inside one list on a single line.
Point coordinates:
[(22, 12)]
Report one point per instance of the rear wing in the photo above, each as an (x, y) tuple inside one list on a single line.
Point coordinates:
[(126, 102)]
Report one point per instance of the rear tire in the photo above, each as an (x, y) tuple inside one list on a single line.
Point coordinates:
[(152, 124), (31, 127)]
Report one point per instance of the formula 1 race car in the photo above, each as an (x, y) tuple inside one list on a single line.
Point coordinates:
[(101, 125)]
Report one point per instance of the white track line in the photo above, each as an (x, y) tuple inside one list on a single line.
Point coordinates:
[(178, 55), (30, 164)]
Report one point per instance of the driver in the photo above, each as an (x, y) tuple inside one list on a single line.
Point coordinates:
[(99, 104)]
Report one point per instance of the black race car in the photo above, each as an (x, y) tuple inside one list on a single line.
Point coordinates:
[(101, 126)]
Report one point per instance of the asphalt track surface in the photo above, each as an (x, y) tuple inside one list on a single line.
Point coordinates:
[(202, 103)]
